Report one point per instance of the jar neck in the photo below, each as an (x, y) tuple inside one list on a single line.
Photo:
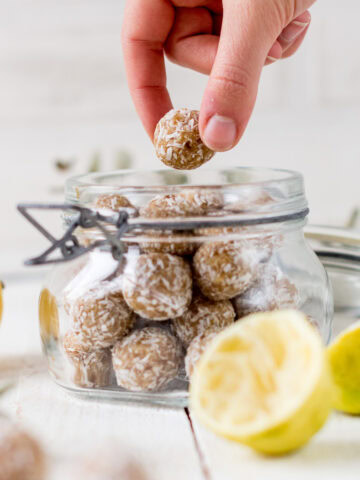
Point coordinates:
[(199, 231), (246, 192), (243, 198)]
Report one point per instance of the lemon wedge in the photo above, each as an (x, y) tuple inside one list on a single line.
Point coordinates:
[(344, 356), (264, 382)]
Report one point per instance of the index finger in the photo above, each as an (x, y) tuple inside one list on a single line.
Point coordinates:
[(146, 27)]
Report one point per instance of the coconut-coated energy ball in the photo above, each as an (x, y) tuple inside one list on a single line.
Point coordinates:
[(197, 348), (91, 368), (186, 203), (146, 360), (101, 316), (157, 286), (175, 243), (21, 457), (200, 201), (203, 315), (250, 199), (113, 201), (94, 370), (225, 269), (265, 243), (74, 346), (177, 140), (272, 291), (262, 242)]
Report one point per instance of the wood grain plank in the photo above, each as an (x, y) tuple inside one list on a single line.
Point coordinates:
[(70, 428), (332, 454)]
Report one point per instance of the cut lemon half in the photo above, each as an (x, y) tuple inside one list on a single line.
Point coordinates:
[(344, 356), (264, 382)]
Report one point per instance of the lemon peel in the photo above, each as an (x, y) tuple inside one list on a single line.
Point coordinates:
[(344, 358)]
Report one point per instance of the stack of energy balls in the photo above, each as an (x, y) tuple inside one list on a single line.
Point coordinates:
[(173, 291)]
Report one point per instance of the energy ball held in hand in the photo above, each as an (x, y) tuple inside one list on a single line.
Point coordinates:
[(177, 140)]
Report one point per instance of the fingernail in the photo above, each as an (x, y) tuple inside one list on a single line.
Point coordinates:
[(272, 59), (300, 24), (220, 133)]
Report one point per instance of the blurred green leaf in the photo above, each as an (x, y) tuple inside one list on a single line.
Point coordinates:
[(95, 162), (123, 160)]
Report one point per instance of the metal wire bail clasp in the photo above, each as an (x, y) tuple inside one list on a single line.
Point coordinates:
[(68, 245)]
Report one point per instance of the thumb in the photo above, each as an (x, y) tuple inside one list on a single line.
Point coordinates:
[(248, 31)]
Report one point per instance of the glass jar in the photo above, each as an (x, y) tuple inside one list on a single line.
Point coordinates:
[(339, 251), (193, 253)]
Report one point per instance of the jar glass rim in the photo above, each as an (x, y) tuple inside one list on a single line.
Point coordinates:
[(247, 192), (169, 179)]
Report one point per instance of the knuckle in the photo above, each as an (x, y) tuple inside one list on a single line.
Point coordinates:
[(283, 11), (129, 41), (233, 81)]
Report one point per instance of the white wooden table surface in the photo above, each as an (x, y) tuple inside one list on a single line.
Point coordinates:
[(163, 440)]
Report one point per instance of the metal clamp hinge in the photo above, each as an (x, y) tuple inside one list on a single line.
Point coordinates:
[(68, 245)]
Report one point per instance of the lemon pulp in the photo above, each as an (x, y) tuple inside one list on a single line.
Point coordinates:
[(264, 382)]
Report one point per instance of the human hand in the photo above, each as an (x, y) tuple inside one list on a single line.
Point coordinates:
[(230, 40)]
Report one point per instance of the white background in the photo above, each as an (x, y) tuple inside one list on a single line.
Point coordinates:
[(63, 94)]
